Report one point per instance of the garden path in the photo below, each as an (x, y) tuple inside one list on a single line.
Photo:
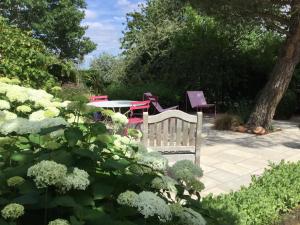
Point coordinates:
[(229, 159)]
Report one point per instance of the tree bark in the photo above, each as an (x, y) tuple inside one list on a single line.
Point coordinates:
[(281, 75)]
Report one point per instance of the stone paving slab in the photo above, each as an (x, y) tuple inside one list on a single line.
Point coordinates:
[(229, 159)]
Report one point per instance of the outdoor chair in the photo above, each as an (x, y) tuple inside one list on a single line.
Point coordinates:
[(198, 101), (136, 107), (173, 132), (98, 98), (154, 101)]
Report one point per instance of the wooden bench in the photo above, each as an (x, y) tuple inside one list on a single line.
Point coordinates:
[(173, 132)]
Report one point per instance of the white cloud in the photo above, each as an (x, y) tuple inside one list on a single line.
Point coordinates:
[(119, 18), (128, 6), (90, 14)]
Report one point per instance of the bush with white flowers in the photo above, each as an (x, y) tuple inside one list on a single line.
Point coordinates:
[(59, 167)]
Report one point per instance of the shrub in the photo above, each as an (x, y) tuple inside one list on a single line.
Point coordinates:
[(79, 173), (274, 193), (227, 122), (27, 59), (167, 95)]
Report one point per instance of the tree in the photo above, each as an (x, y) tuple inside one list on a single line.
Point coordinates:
[(55, 22), (104, 70), (282, 16), (27, 59)]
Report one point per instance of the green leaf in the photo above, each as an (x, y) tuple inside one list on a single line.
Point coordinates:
[(73, 135), (27, 199), (48, 130), (113, 164), (85, 153), (83, 198), (35, 138), (51, 145), (101, 190), (74, 221), (98, 128), (66, 201)]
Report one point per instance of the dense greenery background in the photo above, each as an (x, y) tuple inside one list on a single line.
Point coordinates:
[(170, 48)]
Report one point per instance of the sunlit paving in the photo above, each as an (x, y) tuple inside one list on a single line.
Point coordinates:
[(131, 112)]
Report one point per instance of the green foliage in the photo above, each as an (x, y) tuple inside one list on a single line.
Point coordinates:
[(171, 44), (104, 71), (168, 95), (27, 59), (268, 196), (56, 23), (81, 173), (227, 122)]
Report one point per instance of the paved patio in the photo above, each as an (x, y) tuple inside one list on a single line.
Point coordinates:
[(229, 158)]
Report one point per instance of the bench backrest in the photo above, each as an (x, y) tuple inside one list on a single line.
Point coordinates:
[(173, 131)]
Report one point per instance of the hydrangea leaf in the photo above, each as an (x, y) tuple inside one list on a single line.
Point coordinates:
[(101, 190), (98, 128), (66, 201), (73, 135)]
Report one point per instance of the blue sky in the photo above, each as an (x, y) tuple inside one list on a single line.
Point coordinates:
[(105, 19)]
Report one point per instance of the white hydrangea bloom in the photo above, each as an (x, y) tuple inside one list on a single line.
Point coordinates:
[(65, 104), (149, 204), (4, 104), (17, 94), (9, 115), (59, 222), (24, 109), (12, 211), (41, 97), (37, 115), (25, 126), (51, 112), (4, 87), (56, 104), (47, 173), (73, 119), (119, 118), (78, 180), (9, 81)]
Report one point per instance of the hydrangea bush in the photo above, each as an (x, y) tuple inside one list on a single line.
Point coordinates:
[(81, 173)]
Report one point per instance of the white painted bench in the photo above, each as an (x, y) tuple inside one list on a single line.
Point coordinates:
[(173, 132)]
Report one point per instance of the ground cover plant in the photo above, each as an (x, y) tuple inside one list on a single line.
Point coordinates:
[(275, 193), (57, 172)]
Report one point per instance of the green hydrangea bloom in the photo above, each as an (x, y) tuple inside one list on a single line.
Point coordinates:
[(149, 204), (12, 211), (127, 198), (164, 182), (24, 109), (186, 216), (59, 222), (185, 170), (154, 160), (15, 181)]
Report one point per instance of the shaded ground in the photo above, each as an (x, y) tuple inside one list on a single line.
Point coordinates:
[(229, 158)]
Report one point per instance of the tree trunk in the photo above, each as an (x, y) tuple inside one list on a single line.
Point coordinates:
[(281, 75)]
